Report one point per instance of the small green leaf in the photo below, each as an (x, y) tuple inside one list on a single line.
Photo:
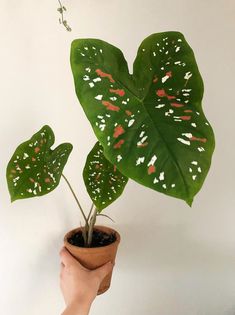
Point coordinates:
[(150, 123), (103, 180), (35, 169)]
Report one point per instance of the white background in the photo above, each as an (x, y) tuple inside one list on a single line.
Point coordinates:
[(173, 260)]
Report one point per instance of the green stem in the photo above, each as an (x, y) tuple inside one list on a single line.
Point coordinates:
[(75, 197), (90, 212), (91, 228)]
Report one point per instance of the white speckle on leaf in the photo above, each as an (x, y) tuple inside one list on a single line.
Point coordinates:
[(187, 75), (155, 180), (102, 127), (194, 162), (119, 157), (91, 84), (183, 141), (153, 160), (187, 135), (172, 185), (97, 79), (161, 176), (99, 97), (140, 160), (160, 106), (194, 177), (131, 122), (166, 77), (193, 125)]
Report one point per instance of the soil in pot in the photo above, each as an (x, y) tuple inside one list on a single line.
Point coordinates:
[(99, 239)]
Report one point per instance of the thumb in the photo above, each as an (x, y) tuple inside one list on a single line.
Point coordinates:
[(104, 270)]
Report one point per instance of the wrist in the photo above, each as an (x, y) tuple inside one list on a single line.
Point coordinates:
[(78, 308)]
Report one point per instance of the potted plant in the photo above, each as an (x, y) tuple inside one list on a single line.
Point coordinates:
[(150, 128)]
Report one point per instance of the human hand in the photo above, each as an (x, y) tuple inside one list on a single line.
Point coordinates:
[(78, 284)]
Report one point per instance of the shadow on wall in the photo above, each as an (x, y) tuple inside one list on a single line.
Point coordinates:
[(169, 248)]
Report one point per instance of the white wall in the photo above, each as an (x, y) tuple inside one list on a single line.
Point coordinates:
[(173, 260)]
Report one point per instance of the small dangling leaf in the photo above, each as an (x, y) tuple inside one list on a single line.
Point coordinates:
[(104, 182), (35, 169)]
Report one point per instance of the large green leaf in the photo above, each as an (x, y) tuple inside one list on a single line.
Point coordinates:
[(151, 123), (35, 169), (103, 180)]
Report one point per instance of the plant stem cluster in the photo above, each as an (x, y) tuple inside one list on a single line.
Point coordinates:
[(90, 219)]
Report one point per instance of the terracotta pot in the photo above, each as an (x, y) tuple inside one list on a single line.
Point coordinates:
[(92, 258)]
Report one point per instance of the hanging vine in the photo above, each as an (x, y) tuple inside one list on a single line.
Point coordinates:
[(62, 9)]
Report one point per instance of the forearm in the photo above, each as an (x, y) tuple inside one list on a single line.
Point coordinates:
[(77, 309)]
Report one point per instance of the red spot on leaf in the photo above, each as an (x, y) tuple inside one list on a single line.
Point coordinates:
[(97, 176), (118, 130), (169, 74), (129, 113), (177, 105), (33, 159), (103, 75), (36, 150), (13, 171), (188, 111), (198, 139), (170, 97), (155, 79), (32, 180), (119, 144), (47, 180), (185, 117), (114, 168), (162, 93), (97, 166), (151, 169), (110, 106), (118, 92)]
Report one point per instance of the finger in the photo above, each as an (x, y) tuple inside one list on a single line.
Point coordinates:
[(66, 258), (104, 270)]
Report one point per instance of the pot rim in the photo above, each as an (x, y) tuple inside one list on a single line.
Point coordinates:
[(92, 250)]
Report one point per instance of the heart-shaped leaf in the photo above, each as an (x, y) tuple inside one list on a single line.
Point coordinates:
[(103, 180), (151, 123), (35, 169)]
